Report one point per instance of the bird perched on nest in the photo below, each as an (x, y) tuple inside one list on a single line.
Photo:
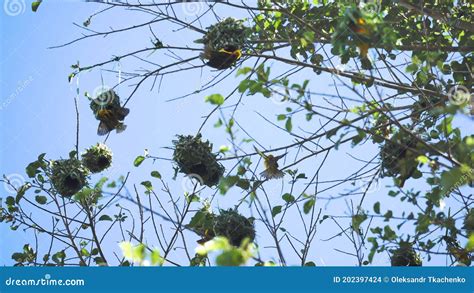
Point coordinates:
[(271, 166), (223, 58)]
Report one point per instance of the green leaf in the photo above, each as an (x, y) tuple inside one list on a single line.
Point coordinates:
[(288, 197), (84, 252), (243, 71), (357, 220), (470, 243), (215, 99), (156, 258), (377, 207), (308, 205), (156, 174), (310, 264), (243, 183), (422, 159), (35, 5), (147, 184), (41, 199), (21, 191), (105, 218), (232, 257), (276, 210), (138, 161), (281, 117), (10, 200), (289, 124), (70, 77)]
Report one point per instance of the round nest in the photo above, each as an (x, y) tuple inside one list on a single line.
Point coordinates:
[(395, 150), (97, 158), (405, 256), (469, 222), (68, 176), (234, 227), (202, 223), (103, 100), (228, 32), (194, 156)]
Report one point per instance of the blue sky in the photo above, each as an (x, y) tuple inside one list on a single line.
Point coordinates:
[(37, 111)]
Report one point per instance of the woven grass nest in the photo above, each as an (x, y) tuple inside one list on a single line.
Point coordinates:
[(68, 176), (228, 32), (395, 150), (194, 157), (405, 256), (234, 226), (97, 158), (228, 223)]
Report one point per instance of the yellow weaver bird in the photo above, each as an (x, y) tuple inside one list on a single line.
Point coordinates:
[(363, 33), (111, 117), (223, 58), (271, 166)]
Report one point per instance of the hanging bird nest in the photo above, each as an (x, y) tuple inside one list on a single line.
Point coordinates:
[(202, 223), (394, 151), (97, 158), (228, 32), (469, 222), (106, 98), (194, 157), (405, 256), (68, 176), (233, 226)]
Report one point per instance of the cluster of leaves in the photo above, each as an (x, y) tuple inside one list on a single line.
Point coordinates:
[(229, 254), (138, 254)]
